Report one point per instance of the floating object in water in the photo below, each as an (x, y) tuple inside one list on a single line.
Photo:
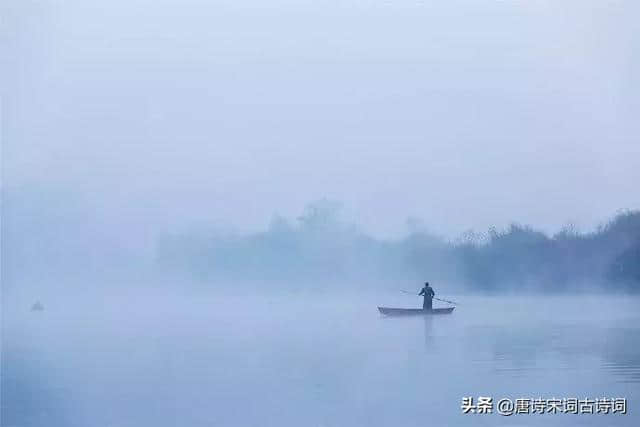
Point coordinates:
[(37, 306), (413, 311)]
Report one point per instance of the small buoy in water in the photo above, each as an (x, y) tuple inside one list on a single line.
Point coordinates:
[(37, 306)]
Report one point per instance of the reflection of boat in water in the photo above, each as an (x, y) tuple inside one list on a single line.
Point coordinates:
[(37, 306), (413, 311)]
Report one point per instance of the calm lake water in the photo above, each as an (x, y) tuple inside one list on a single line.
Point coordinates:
[(313, 361)]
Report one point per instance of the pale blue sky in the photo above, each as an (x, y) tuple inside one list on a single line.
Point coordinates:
[(165, 114)]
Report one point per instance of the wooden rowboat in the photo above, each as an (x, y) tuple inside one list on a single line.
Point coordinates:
[(387, 311)]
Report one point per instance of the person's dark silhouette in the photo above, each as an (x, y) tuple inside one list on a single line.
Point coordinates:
[(428, 293)]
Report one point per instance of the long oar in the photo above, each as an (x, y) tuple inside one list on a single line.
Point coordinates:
[(439, 299), (444, 300)]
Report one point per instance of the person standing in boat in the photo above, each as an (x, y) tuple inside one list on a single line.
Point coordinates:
[(429, 293)]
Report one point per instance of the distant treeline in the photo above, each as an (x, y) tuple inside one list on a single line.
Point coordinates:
[(318, 248)]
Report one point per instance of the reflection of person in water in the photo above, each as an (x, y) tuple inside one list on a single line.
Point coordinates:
[(428, 293)]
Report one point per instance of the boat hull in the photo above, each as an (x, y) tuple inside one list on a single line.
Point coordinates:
[(388, 311)]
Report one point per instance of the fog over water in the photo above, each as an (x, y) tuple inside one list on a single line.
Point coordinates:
[(317, 360), (204, 202)]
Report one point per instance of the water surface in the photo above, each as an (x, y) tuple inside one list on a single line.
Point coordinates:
[(303, 360)]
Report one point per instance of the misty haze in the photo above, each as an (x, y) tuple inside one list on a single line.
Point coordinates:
[(225, 213)]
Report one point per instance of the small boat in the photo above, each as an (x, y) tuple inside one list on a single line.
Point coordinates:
[(413, 311)]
